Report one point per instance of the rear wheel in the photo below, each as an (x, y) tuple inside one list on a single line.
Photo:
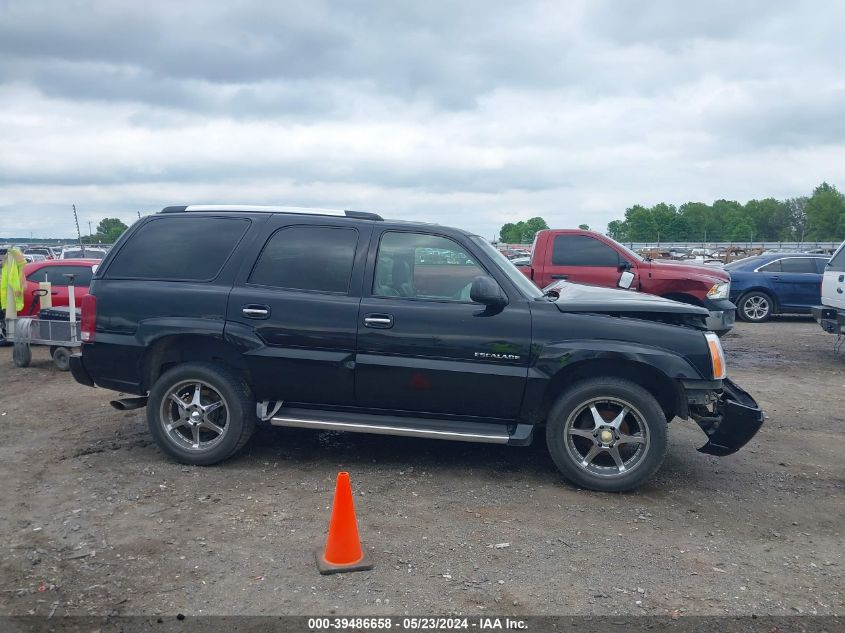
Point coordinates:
[(755, 307), (607, 434), (201, 413)]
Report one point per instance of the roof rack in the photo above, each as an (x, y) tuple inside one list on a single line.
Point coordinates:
[(250, 208)]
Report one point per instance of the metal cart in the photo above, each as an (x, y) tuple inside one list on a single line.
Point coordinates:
[(61, 335)]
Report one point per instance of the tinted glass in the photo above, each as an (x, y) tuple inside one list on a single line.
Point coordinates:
[(798, 265), (820, 264), (307, 258), (56, 275), (178, 249), (581, 250), (417, 265), (771, 267)]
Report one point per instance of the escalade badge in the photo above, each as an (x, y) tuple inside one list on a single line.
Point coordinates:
[(497, 356)]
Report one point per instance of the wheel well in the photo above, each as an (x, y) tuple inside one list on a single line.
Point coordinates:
[(684, 298), (169, 351), (762, 291), (668, 393)]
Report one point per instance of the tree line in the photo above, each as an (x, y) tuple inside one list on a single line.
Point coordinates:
[(820, 216)]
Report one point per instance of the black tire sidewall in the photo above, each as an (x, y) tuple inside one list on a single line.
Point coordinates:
[(746, 297), (61, 358), (233, 389), (22, 354), (654, 418)]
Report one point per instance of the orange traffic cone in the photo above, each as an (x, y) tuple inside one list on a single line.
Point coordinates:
[(343, 549)]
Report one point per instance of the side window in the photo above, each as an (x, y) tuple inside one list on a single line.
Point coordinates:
[(422, 266), (316, 258), (56, 275), (820, 265), (798, 265), (582, 250), (178, 249), (771, 267)]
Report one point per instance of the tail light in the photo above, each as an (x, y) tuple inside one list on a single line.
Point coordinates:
[(88, 325)]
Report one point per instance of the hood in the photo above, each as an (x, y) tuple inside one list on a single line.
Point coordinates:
[(581, 298), (673, 267)]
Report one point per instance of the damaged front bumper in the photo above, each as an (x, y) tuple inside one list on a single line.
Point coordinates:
[(730, 421)]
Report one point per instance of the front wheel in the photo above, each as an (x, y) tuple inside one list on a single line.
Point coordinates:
[(607, 434), (755, 307), (200, 413)]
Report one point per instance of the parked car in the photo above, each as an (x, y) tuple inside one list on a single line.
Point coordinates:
[(77, 252), (219, 317), (54, 271), (778, 283), (830, 313), (45, 252), (591, 258)]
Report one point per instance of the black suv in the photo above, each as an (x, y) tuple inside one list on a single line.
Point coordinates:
[(222, 317)]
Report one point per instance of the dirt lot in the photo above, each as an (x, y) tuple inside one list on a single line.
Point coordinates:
[(95, 520)]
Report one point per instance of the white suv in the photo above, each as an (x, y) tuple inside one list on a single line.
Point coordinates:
[(831, 314)]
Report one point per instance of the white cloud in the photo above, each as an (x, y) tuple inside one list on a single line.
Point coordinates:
[(471, 116)]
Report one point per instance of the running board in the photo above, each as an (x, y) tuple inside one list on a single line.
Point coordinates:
[(518, 434)]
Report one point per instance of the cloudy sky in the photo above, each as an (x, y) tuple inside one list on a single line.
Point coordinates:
[(464, 113)]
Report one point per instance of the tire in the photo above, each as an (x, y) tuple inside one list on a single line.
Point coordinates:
[(211, 424), (573, 436), (22, 354), (755, 307), (61, 358)]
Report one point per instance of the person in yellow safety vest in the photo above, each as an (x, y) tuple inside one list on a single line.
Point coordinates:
[(11, 276)]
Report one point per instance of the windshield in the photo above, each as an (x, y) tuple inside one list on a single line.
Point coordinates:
[(513, 273), (90, 253)]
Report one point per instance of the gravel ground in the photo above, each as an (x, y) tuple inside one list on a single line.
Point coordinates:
[(94, 520)]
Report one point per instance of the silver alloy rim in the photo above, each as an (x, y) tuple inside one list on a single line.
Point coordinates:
[(606, 437), (755, 307), (194, 415)]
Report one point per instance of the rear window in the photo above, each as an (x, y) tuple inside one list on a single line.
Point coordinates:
[(56, 275), (581, 250), (178, 249), (315, 258)]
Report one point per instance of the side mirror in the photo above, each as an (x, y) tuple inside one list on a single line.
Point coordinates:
[(626, 279), (486, 291), (624, 265)]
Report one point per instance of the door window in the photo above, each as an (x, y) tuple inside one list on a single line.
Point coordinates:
[(582, 250), (314, 258), (422, 266), (771, 267), (798, 265)]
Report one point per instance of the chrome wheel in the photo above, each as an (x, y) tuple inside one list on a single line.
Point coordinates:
[(607, 437), (756, 307), (194, 415)]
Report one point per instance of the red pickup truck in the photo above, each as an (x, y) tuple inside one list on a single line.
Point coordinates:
[(587, 257)]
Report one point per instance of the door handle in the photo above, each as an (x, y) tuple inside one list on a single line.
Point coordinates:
[(256, 311), (560, 276), (776, 277), (382, 321)]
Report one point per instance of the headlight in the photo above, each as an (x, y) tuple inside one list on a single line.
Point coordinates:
[(720, 290), (717, 356)]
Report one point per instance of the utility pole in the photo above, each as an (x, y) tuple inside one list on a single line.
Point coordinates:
[(78, 233)]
